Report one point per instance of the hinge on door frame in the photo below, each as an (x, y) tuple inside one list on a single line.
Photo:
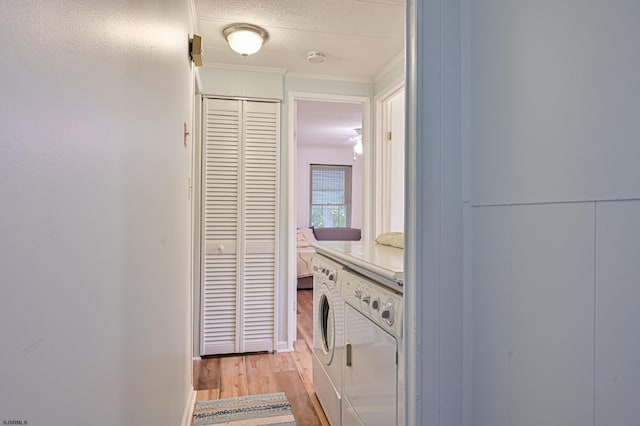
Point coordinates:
[(389, 135)]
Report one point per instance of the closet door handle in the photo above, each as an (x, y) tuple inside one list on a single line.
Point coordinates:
[(349, 349)]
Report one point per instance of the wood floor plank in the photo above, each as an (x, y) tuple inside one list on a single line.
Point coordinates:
[(303, 358), (207, 374), (301, 404), (305, 315), (233, 377), (281, 362), (260, 378), (207, 394)]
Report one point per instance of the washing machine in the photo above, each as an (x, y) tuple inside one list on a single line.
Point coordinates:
[(328, 336)]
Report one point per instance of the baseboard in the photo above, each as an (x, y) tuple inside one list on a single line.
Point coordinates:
[(197, 358), (187, 415), (283, 346)]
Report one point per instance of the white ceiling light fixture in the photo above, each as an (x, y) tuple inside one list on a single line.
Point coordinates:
[(246, 39)]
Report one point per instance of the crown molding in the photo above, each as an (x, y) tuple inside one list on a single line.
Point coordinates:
[(253, 68), (399, 57), (313, 76), (283, 71), (194, 15)]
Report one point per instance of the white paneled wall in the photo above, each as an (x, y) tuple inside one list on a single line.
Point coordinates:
[(533, 314), (554, 322), (552, 111), (241, 83), (555, 100), (618, 313)]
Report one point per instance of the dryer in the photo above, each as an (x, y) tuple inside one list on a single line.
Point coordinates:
[(328, 336), (371, 386)]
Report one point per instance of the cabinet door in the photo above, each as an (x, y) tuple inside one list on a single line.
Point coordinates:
[(221, 204), (370, 393), (261, 138)]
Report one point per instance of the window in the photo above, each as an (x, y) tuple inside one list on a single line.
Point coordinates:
[(330, 196)]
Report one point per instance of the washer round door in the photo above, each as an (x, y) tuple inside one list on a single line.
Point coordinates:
[(324, 338)]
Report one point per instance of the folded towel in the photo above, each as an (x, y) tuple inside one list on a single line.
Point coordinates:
[(393, 239)]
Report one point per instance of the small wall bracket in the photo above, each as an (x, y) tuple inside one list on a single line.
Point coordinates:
[(195, 50)]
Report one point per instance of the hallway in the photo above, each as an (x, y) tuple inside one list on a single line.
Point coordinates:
[(289, 372)]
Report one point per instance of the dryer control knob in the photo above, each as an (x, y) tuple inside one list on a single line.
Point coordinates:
[(375, 304), (388, 314), (366, 299)]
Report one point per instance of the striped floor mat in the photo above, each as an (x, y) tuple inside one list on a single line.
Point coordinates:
[(266, 409)]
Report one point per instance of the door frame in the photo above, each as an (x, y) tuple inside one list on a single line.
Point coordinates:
[(196, 214), (381, 197), (438, 372), (435, 56), (291, 197)]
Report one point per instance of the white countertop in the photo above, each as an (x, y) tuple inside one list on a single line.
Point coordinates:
[(385, 261)]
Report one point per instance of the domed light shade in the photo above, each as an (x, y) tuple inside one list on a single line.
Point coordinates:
[(246, 39)]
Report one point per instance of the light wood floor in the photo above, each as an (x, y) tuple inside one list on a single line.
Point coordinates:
[(289, 372)]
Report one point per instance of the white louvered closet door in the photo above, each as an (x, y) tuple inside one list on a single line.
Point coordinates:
[(221, 206), (261, 136), (240, 175)]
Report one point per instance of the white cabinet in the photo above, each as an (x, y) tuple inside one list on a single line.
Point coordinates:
[(239, 225)]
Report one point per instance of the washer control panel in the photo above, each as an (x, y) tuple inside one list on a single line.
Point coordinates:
[(380, 304), (325, 269)]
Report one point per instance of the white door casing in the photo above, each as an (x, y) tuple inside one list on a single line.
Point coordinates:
[(367, 188)]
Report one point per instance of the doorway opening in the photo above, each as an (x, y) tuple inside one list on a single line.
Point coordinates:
[(328, 164), (330, 157)]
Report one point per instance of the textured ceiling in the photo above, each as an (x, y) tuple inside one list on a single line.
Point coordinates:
[(359, 37), (327, 123)]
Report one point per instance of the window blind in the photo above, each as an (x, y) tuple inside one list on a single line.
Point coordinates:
[(330, 204)]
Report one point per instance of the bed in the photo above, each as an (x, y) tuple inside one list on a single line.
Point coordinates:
[(304, 238)]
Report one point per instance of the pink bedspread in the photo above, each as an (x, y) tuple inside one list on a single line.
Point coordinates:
[(304, 238), (303, 262)]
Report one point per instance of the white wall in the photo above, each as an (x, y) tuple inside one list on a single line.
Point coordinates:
[(553, 180), (241, 83), (392, 74), (327, 155), (94, 260)]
